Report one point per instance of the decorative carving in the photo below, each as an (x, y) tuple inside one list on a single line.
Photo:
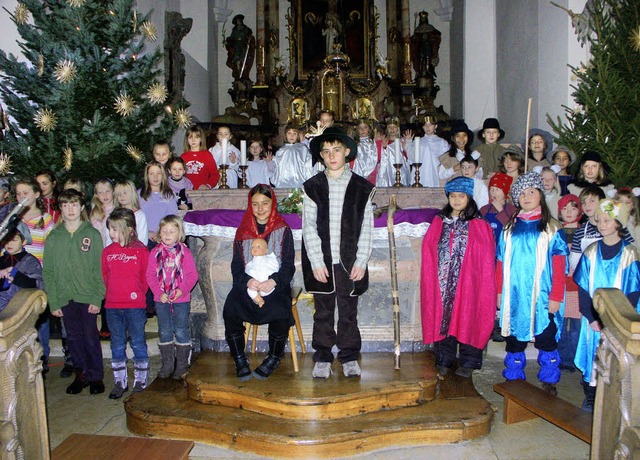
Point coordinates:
[(176, 28)]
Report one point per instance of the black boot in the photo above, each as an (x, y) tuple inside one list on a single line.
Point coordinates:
[(236, 347), (67, 369), (272, 361), (589, 397)]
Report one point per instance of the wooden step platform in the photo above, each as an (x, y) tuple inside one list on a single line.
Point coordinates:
[(441, 412), (296, 395), (524, 401)]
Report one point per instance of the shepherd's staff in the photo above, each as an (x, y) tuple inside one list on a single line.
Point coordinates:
[(394, 281), (526, 136)]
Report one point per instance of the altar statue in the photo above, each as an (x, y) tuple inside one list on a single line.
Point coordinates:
[(240, 46), (425, 44)]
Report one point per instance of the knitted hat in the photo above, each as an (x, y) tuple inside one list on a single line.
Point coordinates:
[(570, 198), (502, 181), (614, 209), (530, 180), (459, 184), (490, 123)]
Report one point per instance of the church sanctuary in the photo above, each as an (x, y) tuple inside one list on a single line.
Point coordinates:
[(319, 229)]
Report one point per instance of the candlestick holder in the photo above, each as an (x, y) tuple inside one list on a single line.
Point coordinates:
[(398, 175), (223, 177), (243, 178), (416, 172)]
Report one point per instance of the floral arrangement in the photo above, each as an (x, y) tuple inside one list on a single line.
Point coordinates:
[(292, 203)]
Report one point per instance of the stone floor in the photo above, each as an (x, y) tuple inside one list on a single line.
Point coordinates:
[(534, 439)]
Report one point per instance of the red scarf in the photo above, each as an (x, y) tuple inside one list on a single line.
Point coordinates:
[(248, 229)]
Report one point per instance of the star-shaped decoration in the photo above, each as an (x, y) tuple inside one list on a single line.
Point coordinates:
[(5, 164), (135, 153), (21, 14), (68, 158), (149, 31), (183, 118), (157, 93), (65, 71), (635, 39), (76, 3), (124, 104), (45, 120)]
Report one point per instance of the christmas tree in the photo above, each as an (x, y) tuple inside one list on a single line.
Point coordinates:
[(87, 98), (607, 89)]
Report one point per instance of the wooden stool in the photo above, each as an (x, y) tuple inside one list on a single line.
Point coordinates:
[(292, 344)]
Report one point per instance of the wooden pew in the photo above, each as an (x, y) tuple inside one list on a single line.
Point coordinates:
[(91, 446), (524, 401)]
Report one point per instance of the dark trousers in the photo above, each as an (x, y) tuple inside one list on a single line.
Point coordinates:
[(83, 340), (569, 341), (234, 325), (545, 341), (446, 351), (324, 335)]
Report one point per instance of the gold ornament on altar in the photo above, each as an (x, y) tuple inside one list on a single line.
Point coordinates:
[(183, 118), (68, 158), (124, 104), (65, 71), (21, 14), (135, 153), (5, 164), (45, 119), (149, 31), (76, 3), (635, 39), (40, 65), (157, 93)]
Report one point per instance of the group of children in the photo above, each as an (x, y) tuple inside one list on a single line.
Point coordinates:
[(129, 248)]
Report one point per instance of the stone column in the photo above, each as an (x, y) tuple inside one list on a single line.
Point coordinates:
[(393, 40), (218, 14)]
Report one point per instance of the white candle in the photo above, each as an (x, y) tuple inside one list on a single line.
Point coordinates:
[(225, 148), (243, 152), (416, 149), (398, 152)]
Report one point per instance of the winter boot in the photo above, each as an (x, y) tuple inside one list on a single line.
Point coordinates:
[(514, 366), (140, 375), (119, 379), (168, 355), (589, 397), (78, 384), (236, 347), (67, 369), (272, 361), (549, 373), (183, 356)]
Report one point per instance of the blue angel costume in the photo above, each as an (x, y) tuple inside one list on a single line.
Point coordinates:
[(526, 255), (595, 271)]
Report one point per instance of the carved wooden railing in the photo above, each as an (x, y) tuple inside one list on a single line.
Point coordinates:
[(23, 418), (616, 422)]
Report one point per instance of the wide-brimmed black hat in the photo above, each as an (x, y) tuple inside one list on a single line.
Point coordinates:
[(490, 123), (333, 132), (591, 155), (461, 127)]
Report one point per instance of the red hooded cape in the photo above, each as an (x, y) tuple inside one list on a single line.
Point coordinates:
[(474, 307)]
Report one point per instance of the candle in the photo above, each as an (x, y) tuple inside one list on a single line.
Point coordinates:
[(398, 152), (357, 109), (243, 152), (416, 149), (225, 147)]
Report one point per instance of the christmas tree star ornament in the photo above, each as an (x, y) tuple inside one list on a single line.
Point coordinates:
[(21, 14), (135, 21), (76, 3), (65, 71), (5, 164), (157, 93), (135, 153), (45, 120), (183, 118), (635, 39), (124, 104), (68, 158), (40, 65), (149, 31)]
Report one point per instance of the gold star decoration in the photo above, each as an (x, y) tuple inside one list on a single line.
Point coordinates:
[(149, 31), (135, 153), (135, 21), (68, 158), (65, 71), (5, 164), (124, 105), (183, 118), (45, 119), (635, 39), (40, 65), (157, 93), (21, 14), (76, 3)]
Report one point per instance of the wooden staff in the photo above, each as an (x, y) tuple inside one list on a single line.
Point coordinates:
[(526, 136), (394, 281)]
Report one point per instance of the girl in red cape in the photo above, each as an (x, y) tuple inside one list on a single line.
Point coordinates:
[(261, 220), (458, 287)]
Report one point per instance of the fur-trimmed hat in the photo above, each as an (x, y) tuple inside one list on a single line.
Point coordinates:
[(459, 184), (615, 209), (490, 123), (502, 181), (333, 132), (530, 180), (570, 198)]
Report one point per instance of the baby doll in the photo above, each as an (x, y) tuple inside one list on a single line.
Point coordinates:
[(261, 266)]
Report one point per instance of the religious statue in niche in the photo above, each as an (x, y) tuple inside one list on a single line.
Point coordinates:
[(425, 44), (176, 28), (240, 46)]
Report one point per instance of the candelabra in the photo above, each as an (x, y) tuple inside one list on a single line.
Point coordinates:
[(243, 178), (223, 177), (398, 175), (416, 172)]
